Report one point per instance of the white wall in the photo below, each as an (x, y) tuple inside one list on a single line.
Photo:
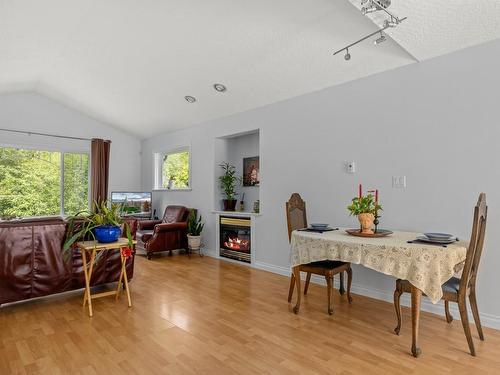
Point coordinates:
[(36, 113), (436, 122)]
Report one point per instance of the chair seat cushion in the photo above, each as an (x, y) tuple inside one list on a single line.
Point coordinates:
[(328, 264), (144, 235), (452, 285)]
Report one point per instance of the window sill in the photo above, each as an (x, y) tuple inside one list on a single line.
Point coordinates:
[(187, 189)]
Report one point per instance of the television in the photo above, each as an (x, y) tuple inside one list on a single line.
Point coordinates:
[(132, 203)]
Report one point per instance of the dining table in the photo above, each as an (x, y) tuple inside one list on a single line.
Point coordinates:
[(426, 266)]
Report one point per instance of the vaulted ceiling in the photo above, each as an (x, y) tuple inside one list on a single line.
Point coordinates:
[(130, 63)]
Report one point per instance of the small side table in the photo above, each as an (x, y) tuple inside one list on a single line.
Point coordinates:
[(92, 247)]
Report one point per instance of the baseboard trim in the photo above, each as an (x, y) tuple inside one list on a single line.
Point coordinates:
[(487, 320)]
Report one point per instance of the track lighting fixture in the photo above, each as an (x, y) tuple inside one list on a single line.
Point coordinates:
[(390, 23), (374, 6), (190, 99), (380, 40), (347, 55), (370, 9)]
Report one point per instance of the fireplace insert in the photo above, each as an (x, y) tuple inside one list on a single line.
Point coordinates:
[(235, 240)]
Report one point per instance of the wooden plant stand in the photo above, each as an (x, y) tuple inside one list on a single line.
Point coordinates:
[(92, 248)]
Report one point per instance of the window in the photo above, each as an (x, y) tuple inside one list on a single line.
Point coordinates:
[(42, 183), (173, 169)]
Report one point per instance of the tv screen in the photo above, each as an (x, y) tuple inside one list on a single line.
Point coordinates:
[(133, 203)]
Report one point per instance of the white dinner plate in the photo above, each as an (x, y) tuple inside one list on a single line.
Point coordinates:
[(439, 236), (319, 225), (435, 240)]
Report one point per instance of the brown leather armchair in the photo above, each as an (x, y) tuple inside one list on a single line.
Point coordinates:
[(167, 234)]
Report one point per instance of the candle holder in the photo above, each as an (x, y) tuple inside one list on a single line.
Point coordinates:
[(376, 221)]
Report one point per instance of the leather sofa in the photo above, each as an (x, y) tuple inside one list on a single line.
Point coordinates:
[(167, 234), (32, 264)]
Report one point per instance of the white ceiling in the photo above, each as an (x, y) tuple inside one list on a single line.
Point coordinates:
[(130, 63)]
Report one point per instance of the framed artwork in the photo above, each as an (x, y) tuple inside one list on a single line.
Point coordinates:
[(251, 171)]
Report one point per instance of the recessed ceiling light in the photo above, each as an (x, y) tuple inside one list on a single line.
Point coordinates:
[(220, 87), (190, 99)]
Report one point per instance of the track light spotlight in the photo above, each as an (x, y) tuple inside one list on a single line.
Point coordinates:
[(347, 55), (370, 9), (190, 99), (380, 40), (390, 23)]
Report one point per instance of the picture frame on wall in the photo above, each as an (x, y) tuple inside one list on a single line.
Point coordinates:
[(251, 173)]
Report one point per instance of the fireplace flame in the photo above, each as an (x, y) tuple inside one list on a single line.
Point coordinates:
[(236, 244)]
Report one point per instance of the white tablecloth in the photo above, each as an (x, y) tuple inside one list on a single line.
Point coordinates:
[(427, 267)]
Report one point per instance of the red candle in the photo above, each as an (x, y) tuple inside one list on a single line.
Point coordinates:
[(376, 196), (360, 191)]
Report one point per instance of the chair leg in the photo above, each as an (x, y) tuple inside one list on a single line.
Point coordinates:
[(341, 284), (397, 305), (462, 306), (349, 283), (475, 313), (308, 280), (449, 317), (292, 286), (329, 290)]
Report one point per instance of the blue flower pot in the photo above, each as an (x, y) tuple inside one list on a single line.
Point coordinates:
[(107, 233)]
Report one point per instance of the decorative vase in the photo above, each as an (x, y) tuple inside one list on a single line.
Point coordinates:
[(107, 233), (230, 204), (194, 242), (366, 221)]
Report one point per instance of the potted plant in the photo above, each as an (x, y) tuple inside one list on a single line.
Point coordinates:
[(365, 208), (102, 224), (228, 182), (194, 229)]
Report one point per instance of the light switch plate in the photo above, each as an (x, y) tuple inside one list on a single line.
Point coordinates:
[(399, 182)]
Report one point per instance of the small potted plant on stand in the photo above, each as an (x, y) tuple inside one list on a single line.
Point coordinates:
[(102, 224), (366, 209), (228, 182), (194, 229)]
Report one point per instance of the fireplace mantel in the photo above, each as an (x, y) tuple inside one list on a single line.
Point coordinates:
[(236, 213)]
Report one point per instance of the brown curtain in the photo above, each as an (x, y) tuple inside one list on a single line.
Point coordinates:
[(99, 173)]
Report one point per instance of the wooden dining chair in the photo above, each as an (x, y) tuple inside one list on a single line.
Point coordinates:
[(458, 289), (297, 219)]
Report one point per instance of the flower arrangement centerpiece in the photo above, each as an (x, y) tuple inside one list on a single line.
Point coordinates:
[(366, 208)]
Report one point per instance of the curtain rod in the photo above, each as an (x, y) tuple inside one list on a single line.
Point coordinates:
[(45, 134)]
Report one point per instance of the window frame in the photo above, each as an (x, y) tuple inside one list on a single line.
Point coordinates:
[(158, 157), (62, 151)]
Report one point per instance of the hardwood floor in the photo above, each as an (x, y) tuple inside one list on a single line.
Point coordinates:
[(204, 316)]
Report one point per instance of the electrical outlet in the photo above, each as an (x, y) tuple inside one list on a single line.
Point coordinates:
[(399, 182)]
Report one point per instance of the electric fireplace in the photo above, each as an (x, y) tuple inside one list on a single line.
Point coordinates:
[(235, 238)]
